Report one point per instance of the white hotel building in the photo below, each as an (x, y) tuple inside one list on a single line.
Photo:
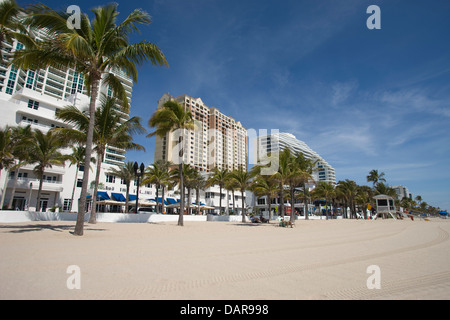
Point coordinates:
[(275, 142), (278, 141), (31, 97)]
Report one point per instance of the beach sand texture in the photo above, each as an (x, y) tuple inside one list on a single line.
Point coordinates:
[(316, 259)]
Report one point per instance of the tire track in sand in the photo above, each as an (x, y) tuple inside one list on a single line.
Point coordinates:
[(393, 288), (155, 291)]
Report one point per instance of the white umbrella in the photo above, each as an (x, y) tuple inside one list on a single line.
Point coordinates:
[(111, 202), (145, 202)]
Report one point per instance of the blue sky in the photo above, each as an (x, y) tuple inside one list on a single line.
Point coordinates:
[(363, 99)]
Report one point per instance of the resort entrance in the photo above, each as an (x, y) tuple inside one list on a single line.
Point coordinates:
[(19, 203), (43, 204)]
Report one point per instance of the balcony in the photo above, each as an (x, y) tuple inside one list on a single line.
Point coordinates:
[(24, 183), (53, 170)]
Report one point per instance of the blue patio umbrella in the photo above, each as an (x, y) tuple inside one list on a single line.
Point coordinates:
[(443, 213)]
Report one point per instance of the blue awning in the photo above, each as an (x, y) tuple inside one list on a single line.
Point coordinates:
[(171, 200), (102, 195), (118, 196), (160, 200), (132, 197)]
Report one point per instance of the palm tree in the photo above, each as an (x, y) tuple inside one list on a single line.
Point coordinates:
[(126, 173), (189, 175), (198, 182), (294, 177), (20, 137), (219, 177), (169, 118), (305, 168), (6, 148), (97, 49), (363, 198), (348, 190), (423, 206), (231, 185), (242, 178), (109, 130), (267, 186), (9, 21), (6, 156), (382, 188), (407, 203), (326, 191), (77, 158), (282, 175), (419, 199), (159, 175), (375, 177), (44, 151)]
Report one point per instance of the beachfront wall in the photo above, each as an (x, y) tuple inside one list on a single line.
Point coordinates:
[(24, 216)]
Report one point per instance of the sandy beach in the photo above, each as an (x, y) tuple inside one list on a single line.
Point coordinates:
[(316, 259)]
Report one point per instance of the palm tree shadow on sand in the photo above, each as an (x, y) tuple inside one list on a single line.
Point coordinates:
[(41, 227)]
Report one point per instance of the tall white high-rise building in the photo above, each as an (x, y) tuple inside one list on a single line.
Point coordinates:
[(218, 140), (275, 142)]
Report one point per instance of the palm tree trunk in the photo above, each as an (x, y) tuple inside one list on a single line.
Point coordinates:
[(243, 205), (93, 217), (220, 199), (180, 217), (197, 200), (228, 203), (180, 167), (38, 204), (89, 137), (157, 199), (188, 205), (127, 195), (13, 191), (162, 198), (270, 207), (73, 189), (292, 206), (234, 206), (305, 203), (4, 191), (281, 205)]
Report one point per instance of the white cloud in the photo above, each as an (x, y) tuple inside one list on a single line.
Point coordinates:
[(341, 91)]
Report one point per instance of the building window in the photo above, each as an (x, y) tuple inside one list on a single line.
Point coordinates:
[(33, 104), (11, 81), (110, 178), (66, 204), (30, 79), (79, 183)]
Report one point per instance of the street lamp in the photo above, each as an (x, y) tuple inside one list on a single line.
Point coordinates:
[(138, 175)]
